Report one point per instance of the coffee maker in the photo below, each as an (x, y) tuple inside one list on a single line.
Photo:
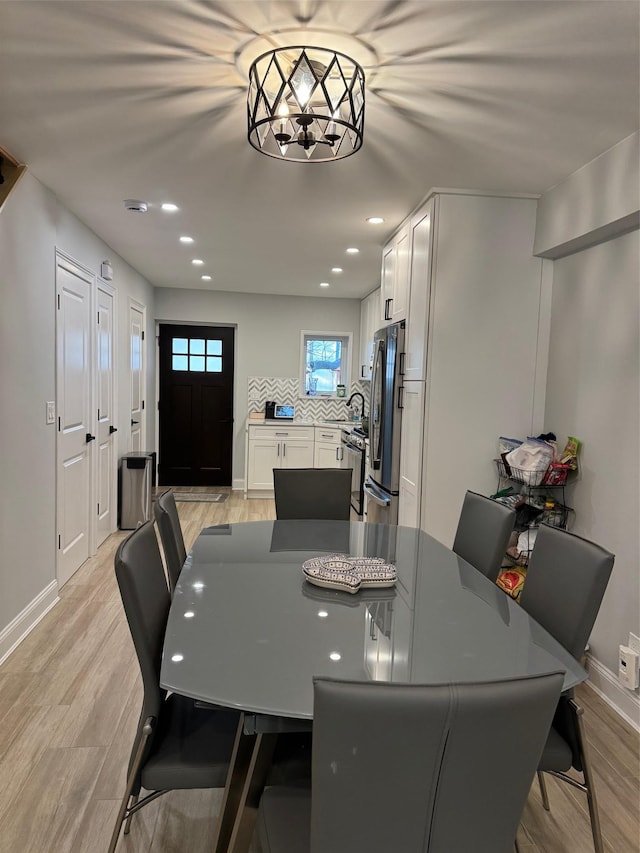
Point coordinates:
[(270, 410)]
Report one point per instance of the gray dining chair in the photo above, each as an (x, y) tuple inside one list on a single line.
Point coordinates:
[(304, 493), (177, 745), (168, 521), (566, 580), (483, 532), (414, 768)]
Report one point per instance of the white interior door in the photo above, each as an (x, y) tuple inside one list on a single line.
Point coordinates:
[(136, 363), (106, 463), (75, 437)]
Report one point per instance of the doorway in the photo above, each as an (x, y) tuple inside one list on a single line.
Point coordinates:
[(196, 366)]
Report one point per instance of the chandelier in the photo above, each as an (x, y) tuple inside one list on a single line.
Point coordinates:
[(306, 104)]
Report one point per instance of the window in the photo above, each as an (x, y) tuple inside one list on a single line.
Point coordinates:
[(325, 363), (196, 355)]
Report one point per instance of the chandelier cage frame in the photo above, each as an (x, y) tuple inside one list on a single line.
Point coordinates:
[(306, 104)]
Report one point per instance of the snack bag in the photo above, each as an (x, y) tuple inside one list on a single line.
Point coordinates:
[(570, 453)]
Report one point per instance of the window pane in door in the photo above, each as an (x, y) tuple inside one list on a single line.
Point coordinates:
[(179, 345), (180, 362), (214, 364), (214, 347), (197, 347), (197, 363)]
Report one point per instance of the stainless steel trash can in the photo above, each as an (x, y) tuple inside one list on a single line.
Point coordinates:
[(135, 490)]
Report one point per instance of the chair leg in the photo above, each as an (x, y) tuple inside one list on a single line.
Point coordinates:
[(543, 790), (147, 730), (127, 823), (591, 791)]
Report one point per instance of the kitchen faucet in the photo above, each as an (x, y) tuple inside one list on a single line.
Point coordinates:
[(357, 394)]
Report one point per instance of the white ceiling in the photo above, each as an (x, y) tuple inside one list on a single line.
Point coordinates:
[(107, 100)]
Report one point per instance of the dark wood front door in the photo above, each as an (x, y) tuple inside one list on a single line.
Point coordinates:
[(196, 405)]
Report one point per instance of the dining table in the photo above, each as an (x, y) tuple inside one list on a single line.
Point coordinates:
[(247, 630)]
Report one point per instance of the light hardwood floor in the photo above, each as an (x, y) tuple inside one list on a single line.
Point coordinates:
[(69, 702)]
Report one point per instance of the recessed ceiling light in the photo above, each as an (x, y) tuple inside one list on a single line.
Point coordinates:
[(335, 656), (324, 284), (177, 658), (169, 206), (375, 220), (352, 250), (336, 269), (206, 277), (186, 239), (197, 261)]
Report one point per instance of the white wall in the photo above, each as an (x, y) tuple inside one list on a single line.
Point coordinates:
[(33, 224), (267, 335), (593, 386)]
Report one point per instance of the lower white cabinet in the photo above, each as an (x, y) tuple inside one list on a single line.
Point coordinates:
[(270, 447), (411, 453), (327, 448)]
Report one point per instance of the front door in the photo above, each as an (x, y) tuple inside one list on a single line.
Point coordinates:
[(196, 405)]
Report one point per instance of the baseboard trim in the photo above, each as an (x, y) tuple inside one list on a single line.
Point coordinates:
[(238, 485), (624, 702), (26, 621)]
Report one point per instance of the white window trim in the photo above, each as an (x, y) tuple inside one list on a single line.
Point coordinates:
[(345, 336)]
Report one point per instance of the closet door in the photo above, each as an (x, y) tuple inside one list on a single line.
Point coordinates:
[(74, 365)]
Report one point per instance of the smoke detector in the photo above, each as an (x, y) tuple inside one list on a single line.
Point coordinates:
[(135, 205)]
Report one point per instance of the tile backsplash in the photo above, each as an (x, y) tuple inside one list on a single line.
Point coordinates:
[(287, 390)]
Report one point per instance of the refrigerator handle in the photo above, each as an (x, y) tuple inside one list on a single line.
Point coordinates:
[(376, 497), (375, 407), (401, 396), (401, 364)]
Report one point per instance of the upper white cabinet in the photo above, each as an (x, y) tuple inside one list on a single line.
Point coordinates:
[(395, 276), (369, 323), (419, 293)]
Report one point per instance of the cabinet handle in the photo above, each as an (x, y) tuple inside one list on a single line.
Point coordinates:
[(326, 435), (363, 368), (387, 308), (284, 449), (278, 448), (282, 433), (337, 454)]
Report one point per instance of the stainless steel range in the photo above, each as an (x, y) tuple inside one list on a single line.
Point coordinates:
[(354, 457)]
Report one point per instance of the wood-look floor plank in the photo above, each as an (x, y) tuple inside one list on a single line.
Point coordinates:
[(70, 698)]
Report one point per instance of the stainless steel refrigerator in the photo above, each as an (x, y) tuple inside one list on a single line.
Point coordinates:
[(382, 485)]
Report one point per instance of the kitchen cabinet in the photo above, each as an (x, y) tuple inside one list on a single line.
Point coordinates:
[(395, 277), (411, 444), (274, 447), (369, 323), (419, 293), (327, 451), (476, 347)]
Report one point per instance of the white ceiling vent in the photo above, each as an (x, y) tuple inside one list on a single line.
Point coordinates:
[(135, 205)]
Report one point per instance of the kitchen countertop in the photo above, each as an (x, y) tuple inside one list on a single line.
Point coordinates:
[(302, 423)]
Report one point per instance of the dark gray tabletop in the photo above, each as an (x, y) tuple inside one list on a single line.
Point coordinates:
[(247, 631)]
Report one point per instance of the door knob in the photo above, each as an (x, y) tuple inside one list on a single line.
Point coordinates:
[(112, 429), (89, 437), (133, 423)]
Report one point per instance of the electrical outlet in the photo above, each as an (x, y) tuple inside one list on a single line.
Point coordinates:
[(634, 643), (628, 668)]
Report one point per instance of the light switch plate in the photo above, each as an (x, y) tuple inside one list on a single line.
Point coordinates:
[(51, 411), (634, 643)]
